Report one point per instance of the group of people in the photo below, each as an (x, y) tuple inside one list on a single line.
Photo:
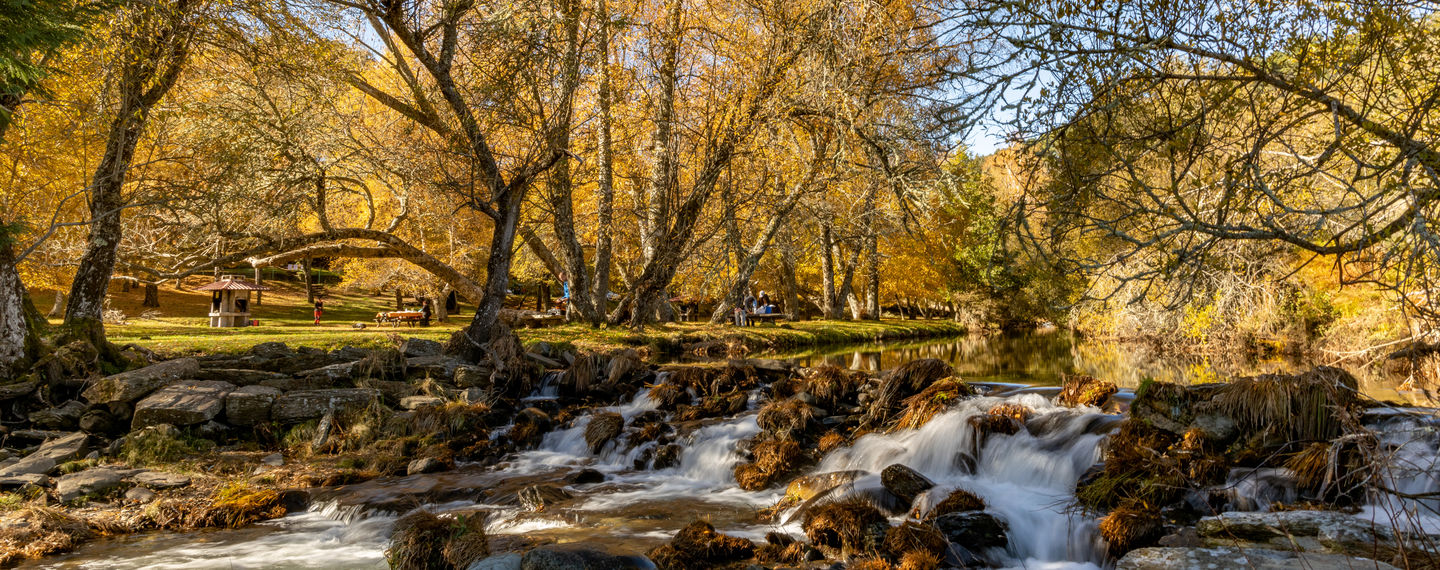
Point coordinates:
[(761, 305)]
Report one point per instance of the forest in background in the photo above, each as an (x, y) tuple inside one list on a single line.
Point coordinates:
[(1201, 175)]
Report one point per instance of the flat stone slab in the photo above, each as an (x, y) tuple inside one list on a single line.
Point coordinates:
[(97, 481), (17, 481), (1331, 530), (136, 384), (301, 405), (250, 405), (159, 480), (51, 453), (182, 404), (1252, 558)]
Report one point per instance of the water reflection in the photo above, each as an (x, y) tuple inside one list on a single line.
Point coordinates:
[(1041, 359)]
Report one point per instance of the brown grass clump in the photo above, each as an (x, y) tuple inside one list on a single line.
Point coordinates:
[(1140, 464), (869, 563), (1008, 419), (830, 385), (1131, 526), (958, 501), (238, 504), (794, 553), (696, 377), (1317, 405), (773, 460), (699, 546), (830, 441), (850, 526), (530, 426), (734, 377), (668, 396), (423, 541), (930, 402), (912, 537), (34, 531), (727, 404), (919, 560), (1015, 412), (904, 381), (1082, 390), (785, 419), (603, 427)]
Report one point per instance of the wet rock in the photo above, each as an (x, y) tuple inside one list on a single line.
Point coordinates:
[(472, 377), (136, 384), (578, 557), (139, 495), (584, 477), (250, 405), (957, 501), (507, 561), (301, 405), (602, 428), (1082, 390), (63, 417), (100, 421), (1216, 427), (973, 530), (1331, 530), (537, 498), (415, 347), (811, 486), (667, 456), (905, 482), (98, 481), (51, 453), (530, 425), (1161, 558), (28, 480), (159, 480), (474, 395), (182, 404), (416, 402), (426, 465), (273, 460)]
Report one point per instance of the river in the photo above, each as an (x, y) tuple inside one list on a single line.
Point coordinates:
[(1027, 478)]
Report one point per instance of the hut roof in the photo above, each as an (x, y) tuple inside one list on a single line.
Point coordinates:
[(231, 283)]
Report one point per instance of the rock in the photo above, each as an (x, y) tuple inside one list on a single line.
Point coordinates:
[(13, 482), (1161, 558), (14, 390), (1082, 390), (549, 363), (537, 498), (63, 417), (1216, 427), (667, 456), (577, 557), (474, 395), (603, 427), (416, 402), (182, 404), (472, 377), (51, 453), (301, 405), (385, 364), (415, 347), (1314, 530), (507, 561), (584, 477), (250, 405), (139, 495), (438, 367), (136, 384), (393, 391), (426, 465), (97, 481), (159, 480), (973, 530), (240, 376), (100, 421), (273, 460), (904, 482)]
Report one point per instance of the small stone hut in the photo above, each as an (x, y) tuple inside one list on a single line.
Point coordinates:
[(230, 301)]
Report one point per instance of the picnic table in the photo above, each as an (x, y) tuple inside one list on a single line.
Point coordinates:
[(395, 318), (767, 317)]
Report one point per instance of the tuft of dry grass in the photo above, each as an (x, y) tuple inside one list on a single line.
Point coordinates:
[(904, 381), (423, 540), (1131, 526), (785, 419), (774, 460), (35, 531), (603, 427), (698, 546), (830, 441), (919, 560), (915, 537), (830, 385), (930, 402), (667, 396), (850, 526), (1082, 390), (958, 501), (1317, 405)]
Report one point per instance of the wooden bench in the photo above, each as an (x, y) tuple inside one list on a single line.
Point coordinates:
[(395, 318)]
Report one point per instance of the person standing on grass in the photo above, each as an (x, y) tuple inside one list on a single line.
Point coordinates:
[(319, 309)]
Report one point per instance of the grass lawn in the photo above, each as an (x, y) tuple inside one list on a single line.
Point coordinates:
[(180, 326)]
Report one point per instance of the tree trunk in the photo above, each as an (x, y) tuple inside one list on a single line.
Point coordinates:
[(788, 282), (57, 309), (605, 177), (442, 310), (309, 281), (152, 296), (662, 146), (745, 269), (829, 304), (559, 181), (19, 336), (125, 285), (847, 285), (497, 270), (399, 299), (872, 272), (258, 294)]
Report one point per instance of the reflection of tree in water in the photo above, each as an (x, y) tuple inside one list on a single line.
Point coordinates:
[(1042, 358)]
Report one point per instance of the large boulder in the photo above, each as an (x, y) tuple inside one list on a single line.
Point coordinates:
[(472, 377), (97, 481), (183, 404), (301, 405), (1184, 558), (973, 530), (51, 453), (63, 417), (250, 405), (416, 347), (577, 557), (438, 367), (136, 384), (1313, 530)]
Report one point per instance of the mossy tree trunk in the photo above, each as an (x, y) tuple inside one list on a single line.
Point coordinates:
[(19, 321), (152, 296)]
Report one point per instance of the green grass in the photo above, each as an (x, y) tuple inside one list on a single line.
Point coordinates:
[(180, 327)]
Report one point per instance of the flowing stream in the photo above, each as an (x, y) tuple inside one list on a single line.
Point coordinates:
[(1026, 479)]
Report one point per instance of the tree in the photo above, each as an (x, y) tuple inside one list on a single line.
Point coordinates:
[(154, 41)]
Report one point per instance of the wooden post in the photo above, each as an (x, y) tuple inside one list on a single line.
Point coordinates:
[(258, 295)]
